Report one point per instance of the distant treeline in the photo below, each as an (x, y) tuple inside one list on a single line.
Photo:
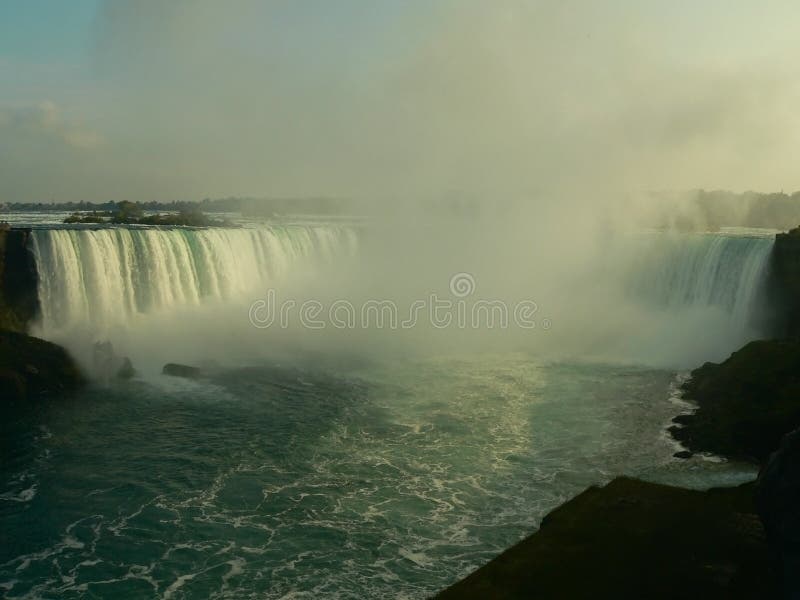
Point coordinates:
[(710, 210), (695, 210), (246, 206)]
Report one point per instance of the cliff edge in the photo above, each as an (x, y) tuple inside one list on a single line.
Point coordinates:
[(19, 300)]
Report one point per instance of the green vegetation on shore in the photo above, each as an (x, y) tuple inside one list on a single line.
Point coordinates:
[(130, 213), (245, 205)]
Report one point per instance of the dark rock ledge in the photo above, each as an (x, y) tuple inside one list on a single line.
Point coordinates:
[(29, 367), (746, 404), (19, 300), (632, 539)]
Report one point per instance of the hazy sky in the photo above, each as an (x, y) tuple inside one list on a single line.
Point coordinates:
[(192, 98)]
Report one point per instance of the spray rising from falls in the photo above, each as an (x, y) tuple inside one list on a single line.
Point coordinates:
[(669, 300), (694, 297)]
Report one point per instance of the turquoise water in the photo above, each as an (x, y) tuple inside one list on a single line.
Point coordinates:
[(381, 481)]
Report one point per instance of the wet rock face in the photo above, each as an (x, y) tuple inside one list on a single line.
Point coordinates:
[(745, 404), (19, 300), (31, 368), (784, 283), (778, 503), (633, 539)]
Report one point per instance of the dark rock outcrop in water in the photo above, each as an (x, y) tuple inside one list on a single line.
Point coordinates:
[(19, 300), (107, 365), (778, 502), (637, 540), (126, 370), (32, 368), (29, 367), (745, 404), (632, 539), (177, 370)]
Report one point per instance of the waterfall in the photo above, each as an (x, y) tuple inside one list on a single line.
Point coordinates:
[(166, 294), (692, 298), (100, 278), (691, 271)]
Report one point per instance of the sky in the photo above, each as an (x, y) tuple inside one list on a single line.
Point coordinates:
[(394, 99)]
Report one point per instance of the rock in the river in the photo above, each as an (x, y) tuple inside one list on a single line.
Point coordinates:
[(107, 365), (126, 370), (178, 370)]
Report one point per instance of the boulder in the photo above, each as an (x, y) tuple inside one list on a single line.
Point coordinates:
[(126, 370), (31, 368), (178, 370)]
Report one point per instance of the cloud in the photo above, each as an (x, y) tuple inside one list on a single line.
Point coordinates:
[(419, 99), (45, 123)]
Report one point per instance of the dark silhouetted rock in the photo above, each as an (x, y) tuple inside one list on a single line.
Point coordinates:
[(632, 539), (177, 370), (126, 370), (745, 404), (784, 283), (778, 502), (30, 368), (19, 299), (683, 454)]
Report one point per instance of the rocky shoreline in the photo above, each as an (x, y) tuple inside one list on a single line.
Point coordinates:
[(633, 539), (746, 404), (31, 368)]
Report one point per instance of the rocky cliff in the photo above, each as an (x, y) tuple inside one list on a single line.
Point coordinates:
[(632, 539), (784, 284), (29, 367), (19, 301), (745, 404)]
